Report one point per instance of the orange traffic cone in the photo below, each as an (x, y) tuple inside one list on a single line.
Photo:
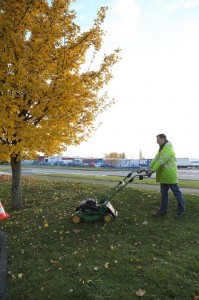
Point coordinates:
[(3, 214)]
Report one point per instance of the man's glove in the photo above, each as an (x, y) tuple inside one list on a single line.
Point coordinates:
[(149, 172)]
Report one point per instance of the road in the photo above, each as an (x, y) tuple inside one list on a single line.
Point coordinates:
[(183, 174)]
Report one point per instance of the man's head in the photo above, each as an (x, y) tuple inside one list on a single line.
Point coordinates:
[(161, 139)]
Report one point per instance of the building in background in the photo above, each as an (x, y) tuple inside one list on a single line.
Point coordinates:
[(105, 162)]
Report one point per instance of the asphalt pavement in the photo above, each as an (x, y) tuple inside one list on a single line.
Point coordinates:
[(184, 174)]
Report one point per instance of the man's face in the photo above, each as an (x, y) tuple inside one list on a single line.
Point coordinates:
[(160, 141)]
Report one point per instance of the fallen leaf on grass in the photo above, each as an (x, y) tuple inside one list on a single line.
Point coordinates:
[(106, 265), (154, 258), (76, 231), (95, 268), (145, 223), (5, 177), (140, 293)]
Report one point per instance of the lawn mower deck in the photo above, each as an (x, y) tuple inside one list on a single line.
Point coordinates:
[(90, 211)]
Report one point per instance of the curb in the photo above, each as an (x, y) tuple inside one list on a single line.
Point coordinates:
[(3, 266)]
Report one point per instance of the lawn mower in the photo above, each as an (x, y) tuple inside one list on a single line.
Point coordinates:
[(90, 210)]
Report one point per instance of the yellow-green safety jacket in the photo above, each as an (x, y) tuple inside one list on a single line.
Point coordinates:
[(165, 165)]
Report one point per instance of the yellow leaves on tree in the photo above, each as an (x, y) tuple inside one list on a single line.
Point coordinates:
[(45, 94), (114, 157)]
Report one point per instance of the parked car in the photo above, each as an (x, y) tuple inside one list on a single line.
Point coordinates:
[(59, 163), (44, 164)]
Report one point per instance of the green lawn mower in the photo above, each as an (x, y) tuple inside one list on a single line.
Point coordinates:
[(91, 211)]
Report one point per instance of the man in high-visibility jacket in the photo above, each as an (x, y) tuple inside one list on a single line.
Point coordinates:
[(165, 166)]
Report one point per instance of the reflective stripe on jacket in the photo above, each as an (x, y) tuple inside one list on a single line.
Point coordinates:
[(165, 165)]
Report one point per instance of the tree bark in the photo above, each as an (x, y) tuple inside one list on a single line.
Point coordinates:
[(17, 203)]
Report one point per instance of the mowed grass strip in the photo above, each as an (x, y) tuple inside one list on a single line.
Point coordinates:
[(134, 256), (150, 181)]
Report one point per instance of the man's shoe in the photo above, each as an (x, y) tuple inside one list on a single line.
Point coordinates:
[(179, 215), (160, 214)]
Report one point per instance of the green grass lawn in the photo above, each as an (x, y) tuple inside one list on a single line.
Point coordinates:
[(151, 181), (134, 257)]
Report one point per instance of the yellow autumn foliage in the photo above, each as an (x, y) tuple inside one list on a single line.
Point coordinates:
[(47, 101)]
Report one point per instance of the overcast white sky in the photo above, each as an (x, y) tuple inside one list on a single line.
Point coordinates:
[(155, 85)]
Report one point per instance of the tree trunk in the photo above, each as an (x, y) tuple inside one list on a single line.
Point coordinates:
[(16, 183)]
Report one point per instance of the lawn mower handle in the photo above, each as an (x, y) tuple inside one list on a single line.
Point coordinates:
[(141, 173), (143, 170)]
